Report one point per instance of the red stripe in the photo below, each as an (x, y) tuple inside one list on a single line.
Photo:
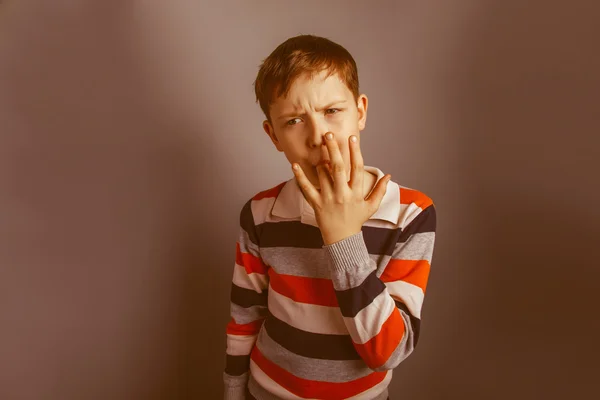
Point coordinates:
[(273, 192), (379, 349), (249, 262), (302, 289), (408, 196), (315, 389), (415, 272), (251, 328)]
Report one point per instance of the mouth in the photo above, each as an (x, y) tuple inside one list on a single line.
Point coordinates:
[(321, 162)]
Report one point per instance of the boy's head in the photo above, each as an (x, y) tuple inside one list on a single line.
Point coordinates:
[(306, 87)]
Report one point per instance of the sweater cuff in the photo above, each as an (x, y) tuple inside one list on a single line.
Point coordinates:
[(235, 387), (349, 253)]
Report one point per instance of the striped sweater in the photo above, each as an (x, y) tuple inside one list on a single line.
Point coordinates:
[(315, 321)]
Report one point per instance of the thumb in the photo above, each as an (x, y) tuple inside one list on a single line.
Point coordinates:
[(376, 196)]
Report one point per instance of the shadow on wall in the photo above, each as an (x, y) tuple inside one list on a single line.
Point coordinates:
[(525, 107), (105, 246)]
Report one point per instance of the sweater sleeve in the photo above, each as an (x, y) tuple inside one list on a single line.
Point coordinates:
[(248, 306), (383, 313)]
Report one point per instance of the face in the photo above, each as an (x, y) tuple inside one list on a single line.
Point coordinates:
[(312, 108)]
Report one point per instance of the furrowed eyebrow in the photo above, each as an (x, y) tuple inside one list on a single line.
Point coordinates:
[(328, 106)]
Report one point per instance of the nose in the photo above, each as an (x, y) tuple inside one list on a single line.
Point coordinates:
[(316, 131)]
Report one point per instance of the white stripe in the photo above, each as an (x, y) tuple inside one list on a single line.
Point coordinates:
[(269, 384), (261, 209), (375, 390), (253, 281), (238, 345), (307, 317), (409, 294), (368, 322)]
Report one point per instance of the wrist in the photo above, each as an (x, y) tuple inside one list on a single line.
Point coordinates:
[(334, 237)]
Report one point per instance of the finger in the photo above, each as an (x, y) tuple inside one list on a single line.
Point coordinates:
[(338, 169), (357, 174), (376, 196), (324, 179), (325, 160), (311, 194)]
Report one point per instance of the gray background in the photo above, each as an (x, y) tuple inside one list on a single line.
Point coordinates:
[(129, 141)]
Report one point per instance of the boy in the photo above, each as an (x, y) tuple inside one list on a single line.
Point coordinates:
[(331, 266)]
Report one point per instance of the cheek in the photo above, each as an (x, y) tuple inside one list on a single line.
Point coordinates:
[(340, 123), (344, 149)]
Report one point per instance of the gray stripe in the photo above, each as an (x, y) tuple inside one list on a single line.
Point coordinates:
[(418, 247), (404, 348), (314, 263), (296, 261), (261, 393), (246, 244), (235, 386), (243, 315), (311, 263), (311, 368)]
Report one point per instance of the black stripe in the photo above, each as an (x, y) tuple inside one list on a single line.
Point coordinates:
[(237, 365), (424, 222), (377, 240), (289, 234), (247, 298), (308, 344), (299, 235), (247, 222), (352, 300), (380, 240), (414, 321)]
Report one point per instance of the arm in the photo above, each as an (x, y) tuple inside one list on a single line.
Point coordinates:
[(248, 307), (383, 313)]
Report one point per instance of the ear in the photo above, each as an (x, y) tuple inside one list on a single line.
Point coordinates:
[(363, 103), (270, 131)]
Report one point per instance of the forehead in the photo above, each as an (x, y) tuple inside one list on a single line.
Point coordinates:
[(314, 90)]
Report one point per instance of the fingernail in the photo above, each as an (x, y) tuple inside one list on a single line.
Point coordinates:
[(295, 166), (353, 138), (329, 136)]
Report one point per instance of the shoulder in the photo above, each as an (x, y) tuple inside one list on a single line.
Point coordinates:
[(415, 203), (258, 205)]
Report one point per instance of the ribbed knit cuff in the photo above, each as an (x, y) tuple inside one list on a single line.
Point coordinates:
[(349, 254), (235, 387)]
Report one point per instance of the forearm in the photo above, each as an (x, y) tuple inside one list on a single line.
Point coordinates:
[(382, 333)]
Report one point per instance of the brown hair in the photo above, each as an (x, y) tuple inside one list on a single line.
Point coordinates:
[(299, 55)]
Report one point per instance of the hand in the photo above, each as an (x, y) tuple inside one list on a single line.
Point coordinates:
[(341, 208)]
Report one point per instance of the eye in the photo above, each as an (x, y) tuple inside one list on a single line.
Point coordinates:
[(332, 110), (291, 121)]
